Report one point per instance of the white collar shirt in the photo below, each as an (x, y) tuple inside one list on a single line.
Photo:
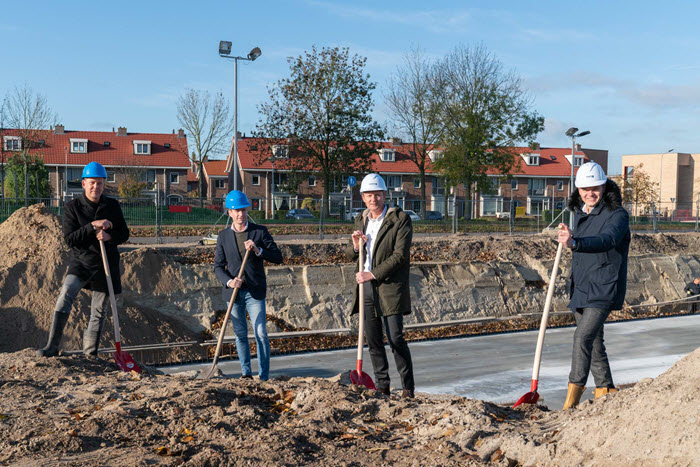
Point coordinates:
[(373, 226)]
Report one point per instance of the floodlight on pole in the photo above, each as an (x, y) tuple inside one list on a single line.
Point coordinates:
[(225, 52)]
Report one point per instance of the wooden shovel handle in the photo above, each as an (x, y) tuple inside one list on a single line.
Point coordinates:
[(361, 305)]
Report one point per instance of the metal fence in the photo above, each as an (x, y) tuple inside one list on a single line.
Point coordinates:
[(313, 216)]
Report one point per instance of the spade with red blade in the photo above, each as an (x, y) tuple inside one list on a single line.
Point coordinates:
[(357, 376), (124, 361)]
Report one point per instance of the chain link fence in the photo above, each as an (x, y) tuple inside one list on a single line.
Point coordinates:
[(336, 214)]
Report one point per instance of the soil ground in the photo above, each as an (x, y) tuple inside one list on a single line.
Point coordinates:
[(76, 411)]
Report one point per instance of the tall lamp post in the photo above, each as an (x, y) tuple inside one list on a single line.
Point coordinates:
[(573, 134), (225, 52)]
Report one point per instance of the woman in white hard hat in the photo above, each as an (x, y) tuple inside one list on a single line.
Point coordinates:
[(600, 243)]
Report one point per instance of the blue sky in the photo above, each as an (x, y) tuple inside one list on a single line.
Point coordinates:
[(627, 71)]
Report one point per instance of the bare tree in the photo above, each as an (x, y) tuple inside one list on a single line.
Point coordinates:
[(414, 110), (207, 120), (30, 115), (638, 188), (486, 115)]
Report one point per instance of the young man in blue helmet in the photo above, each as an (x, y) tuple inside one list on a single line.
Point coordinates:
[(86, 220), (599, 240), (387, 234), (231, 246)]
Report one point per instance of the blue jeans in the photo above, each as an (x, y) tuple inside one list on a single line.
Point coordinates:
[(256, 311)]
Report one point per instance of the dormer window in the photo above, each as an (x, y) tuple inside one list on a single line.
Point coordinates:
[(280, 151), (578, 161), (387, 155), (434, 154), (531, 158), (78, 146), (12, 143), (142, 147)]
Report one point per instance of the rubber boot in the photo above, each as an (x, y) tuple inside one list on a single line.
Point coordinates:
[(55, 335), (91, 341), (573, 395), (600, 392)]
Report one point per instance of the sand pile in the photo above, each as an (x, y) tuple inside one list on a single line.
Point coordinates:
[(33, 262), (70, 410)]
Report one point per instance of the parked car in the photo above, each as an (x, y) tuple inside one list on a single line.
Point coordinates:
[(503, 215), (299, 214), (355, 212), (433, 216), (414, 217)]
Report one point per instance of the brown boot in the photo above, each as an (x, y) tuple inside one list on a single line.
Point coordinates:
[(573, 395), (600, 392)]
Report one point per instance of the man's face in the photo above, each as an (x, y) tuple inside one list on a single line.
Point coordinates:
[(591, 196), (374, 200), (93, 188), (697, 280), (239, 216)]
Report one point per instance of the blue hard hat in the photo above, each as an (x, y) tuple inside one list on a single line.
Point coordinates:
[(236, 200), (94, 170)]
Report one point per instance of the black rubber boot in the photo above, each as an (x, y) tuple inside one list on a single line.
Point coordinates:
[(91, 342), (55, 335)]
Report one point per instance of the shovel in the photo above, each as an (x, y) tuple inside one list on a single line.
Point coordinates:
[(212, 370), (123, 360), (357, 376), (532, 396)]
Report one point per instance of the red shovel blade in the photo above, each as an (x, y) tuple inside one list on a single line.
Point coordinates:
[(531, 397), (124, 361), (362, 379)]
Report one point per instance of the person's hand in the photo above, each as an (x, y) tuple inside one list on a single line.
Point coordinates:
[(361, 277), (565, 237), (356, 236), (102, 224), (103, 236), (235, 283), (250, 245)]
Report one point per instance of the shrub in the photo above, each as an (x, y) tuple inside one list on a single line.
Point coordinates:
[(256, 214)]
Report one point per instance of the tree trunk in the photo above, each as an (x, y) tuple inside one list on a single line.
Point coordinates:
[(467, 199), (26, 183), (201, 184), (424, 205)]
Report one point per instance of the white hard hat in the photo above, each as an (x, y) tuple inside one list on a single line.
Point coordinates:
[(590, 174), (372, 182)]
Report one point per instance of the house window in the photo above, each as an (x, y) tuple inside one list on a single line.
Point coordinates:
[(416, 205), (142, 147), (13, 143), (111, 176), (74, 174), (438, 186), (280, 150), (255, 179), (174, 177), (387, 155), (255, 204), (514, 184), (535, 186), (533, 159), (393, 181), (416, 183), (578, 161), (148, 176), (312, 181), (560, 185), (220, 183), (78, 146)]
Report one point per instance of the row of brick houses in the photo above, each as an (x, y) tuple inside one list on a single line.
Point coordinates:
[(158, 159), (541, 181)]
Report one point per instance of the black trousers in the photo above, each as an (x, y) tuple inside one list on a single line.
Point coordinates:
[(375, 340)]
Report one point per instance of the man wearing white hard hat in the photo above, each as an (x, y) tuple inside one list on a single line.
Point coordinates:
[(386, 234), (600, 244)]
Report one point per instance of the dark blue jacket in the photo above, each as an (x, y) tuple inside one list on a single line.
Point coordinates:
[(227, 260), (599, 265)]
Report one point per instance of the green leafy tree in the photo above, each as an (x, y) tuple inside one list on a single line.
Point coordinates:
[(26, 173), (414, 111), (318, 120), (485, 115), (638, 188)]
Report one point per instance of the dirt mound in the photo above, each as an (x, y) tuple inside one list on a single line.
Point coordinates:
[(33, 263), (71, 410)]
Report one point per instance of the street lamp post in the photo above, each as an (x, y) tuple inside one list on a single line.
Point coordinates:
[(661, 171), (572, 133), (225, 52)]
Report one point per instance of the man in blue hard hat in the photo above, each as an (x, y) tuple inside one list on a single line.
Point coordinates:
[(89, 218), (231, 246)]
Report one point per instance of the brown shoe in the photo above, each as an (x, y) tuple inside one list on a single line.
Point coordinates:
[(246, 377), (407, 394), (384, 391)]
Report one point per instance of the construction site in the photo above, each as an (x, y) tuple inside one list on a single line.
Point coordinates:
[(71, 410)]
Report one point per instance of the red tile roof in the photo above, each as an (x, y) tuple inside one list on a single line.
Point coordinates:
[(56, 149), (559, 166), (215, 168)]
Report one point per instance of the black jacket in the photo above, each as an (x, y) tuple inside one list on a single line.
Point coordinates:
[(391, 262), (692, 289), (86, 257), (227, 260), (599, 265)]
